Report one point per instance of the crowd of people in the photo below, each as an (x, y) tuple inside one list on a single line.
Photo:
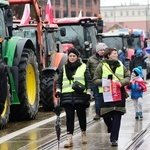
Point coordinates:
[(104, 72)]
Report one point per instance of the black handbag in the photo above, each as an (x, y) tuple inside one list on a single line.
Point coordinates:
[(78, 87)]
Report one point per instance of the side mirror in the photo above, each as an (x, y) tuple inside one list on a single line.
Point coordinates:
[(9, 20), (63, 31)]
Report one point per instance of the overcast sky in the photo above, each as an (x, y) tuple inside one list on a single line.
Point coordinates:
[(119, 2)]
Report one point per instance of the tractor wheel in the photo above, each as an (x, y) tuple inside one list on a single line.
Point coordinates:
[(28, 89), (4, 116), (47, 91)]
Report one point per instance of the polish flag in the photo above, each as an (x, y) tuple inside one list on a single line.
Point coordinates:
[(80, 13), (26, 15), (49, 12)]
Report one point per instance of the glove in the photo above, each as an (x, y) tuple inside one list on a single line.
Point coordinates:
[(88, 97), (58, 94)]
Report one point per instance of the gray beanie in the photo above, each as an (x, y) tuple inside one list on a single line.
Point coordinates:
[(101, 46)]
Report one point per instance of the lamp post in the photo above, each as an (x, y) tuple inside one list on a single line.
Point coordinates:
[(66, 14)]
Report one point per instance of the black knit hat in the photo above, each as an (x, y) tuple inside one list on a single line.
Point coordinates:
[(74, 50)]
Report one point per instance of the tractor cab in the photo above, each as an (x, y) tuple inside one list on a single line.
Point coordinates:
[(79, 33)]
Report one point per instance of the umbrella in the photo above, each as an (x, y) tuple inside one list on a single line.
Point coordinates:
[(57, 111)]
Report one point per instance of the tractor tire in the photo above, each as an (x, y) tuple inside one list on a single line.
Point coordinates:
[(28, 89), (47, 91), (4, 116)]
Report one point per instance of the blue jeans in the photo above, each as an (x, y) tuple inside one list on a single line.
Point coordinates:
[(96, 98)]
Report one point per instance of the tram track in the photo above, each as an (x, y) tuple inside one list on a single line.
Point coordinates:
[(139, 139)]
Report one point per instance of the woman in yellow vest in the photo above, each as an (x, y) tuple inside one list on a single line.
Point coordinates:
[(74, 70), (113, 69)]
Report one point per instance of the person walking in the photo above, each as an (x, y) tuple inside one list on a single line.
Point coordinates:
[(137, 86), (92, 63), (113, 70), (121, 57), (72, 99), (138, 59)]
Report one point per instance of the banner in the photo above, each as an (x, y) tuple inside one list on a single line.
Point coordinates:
[(111, 91)]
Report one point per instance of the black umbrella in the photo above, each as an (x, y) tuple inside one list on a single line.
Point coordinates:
[(57, 111)]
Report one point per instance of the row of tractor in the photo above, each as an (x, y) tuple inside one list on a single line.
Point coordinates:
[(31, 56)]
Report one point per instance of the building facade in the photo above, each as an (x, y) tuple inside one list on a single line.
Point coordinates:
[(133, 16), (71, 8)]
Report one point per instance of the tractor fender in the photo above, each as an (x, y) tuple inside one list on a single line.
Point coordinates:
[(58, 60), (15, 47), (22, 43)]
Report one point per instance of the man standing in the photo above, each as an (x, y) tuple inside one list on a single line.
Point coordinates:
[(92, 63)]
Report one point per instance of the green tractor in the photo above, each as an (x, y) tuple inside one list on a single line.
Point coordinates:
[(19, 84)]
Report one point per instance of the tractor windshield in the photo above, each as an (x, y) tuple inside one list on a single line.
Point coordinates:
[(74, 34), (112, 41), (136, 43)]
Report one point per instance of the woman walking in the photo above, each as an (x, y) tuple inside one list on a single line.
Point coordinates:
[(112, 69), (71, 98)]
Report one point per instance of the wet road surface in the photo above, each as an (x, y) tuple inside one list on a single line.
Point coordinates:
[(33, 135)]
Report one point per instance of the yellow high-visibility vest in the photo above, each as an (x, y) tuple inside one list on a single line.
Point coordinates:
[(78, 76), (105, 72)]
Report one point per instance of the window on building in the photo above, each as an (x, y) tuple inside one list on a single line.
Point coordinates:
[(52, 3), (73, 14), (65, 13), (88, 3), (133, 13), (111, 14), (105, 14), (57, 14), (73, 3), (127, 13), (80, 2), (139, 12), (64, 3), (121, 13), (88, 14), (95, 2), (57, 2)]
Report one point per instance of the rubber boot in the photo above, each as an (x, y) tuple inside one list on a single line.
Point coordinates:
[(140, 115), (137, 115), (84, 139), (69, 141)]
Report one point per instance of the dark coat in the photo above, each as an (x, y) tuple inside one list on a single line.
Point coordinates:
[(73, 97)]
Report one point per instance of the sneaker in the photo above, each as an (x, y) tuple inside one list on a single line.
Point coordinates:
[(137, 115), (140, 115), (97, 117), (114, 143)]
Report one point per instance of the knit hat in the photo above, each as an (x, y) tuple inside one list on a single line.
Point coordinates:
[(101, 46), (74, 50), (138, 51), (137, 71)]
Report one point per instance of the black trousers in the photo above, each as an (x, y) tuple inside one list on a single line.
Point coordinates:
[(113, 121), (70, 117)]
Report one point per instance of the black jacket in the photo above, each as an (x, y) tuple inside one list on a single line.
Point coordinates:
[(73, 97)]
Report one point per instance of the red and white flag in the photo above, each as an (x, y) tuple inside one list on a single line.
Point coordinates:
[(49, 12), (26, 15), (80, 13)]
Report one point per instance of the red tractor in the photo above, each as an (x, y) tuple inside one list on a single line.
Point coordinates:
[(79, 32)]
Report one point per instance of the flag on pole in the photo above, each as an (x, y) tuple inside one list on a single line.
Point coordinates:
[(49, 12), (26, 15), (80, 13)]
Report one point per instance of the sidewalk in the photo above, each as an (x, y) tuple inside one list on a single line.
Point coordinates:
[(98, 138)]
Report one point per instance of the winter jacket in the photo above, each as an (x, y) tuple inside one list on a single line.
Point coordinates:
[(137, 87), (111, 106), (74, 98), (93, 62), (138, 60)]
